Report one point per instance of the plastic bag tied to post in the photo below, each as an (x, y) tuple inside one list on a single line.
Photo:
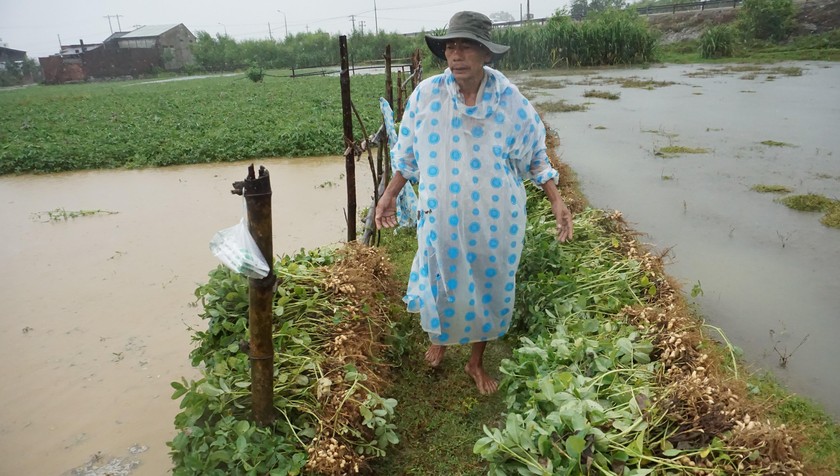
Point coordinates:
[(236, 249)]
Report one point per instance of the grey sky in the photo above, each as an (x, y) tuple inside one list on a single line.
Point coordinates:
[(36, 25)]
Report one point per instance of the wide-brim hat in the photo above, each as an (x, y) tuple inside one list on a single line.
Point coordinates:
[(470, 25)]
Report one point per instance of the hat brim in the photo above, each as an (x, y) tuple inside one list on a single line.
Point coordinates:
[(437, 44)]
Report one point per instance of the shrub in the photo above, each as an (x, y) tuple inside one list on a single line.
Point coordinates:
[(717, 42), (767, 19)]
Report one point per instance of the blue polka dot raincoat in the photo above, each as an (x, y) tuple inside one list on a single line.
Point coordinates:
[(470, 163)]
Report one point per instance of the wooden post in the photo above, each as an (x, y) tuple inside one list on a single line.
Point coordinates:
[(415, 69), (389, 84), (398, 107), (349, 153), (389, 96), (257, 193)]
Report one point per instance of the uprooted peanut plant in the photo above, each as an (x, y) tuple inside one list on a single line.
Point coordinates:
[(331, 312)]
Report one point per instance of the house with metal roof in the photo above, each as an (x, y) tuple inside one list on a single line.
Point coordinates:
[(142, 51), (172, 40), (12, 55)]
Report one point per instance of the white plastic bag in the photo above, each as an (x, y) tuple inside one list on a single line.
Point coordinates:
[(236, 249)]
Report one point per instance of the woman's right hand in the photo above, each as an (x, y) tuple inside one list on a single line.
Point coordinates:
[(386, 212), (386, 209)]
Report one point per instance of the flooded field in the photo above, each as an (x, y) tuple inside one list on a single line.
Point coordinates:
[(98, 307), (678, 155)]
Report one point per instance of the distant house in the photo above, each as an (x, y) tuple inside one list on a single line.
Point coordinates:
[(70, 50), (173, 41), (11, 56), (133, 53)]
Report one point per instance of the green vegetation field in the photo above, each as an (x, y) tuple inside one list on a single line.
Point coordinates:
[(143, 124)]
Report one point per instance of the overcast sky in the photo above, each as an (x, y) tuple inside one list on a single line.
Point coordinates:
[(35, 26)]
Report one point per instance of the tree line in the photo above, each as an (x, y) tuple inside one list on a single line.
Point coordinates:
[(303, 50)]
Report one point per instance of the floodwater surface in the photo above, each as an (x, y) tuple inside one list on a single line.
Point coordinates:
[(769, 275), (97, 309)]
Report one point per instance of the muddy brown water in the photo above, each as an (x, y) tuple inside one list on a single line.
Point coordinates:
[(97, 309), (761, 266)]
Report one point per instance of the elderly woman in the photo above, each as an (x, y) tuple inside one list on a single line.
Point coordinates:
[(469, 138)]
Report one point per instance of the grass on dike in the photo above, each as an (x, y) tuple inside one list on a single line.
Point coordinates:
[(441, 415)]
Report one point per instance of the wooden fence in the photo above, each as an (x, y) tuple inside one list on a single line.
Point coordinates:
[(355, 149)]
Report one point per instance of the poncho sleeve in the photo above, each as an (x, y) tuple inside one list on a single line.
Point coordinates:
[(534, 163), (403, 158)]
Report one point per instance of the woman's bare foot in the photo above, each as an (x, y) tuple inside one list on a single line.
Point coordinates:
[(485, 383), (434, 355)]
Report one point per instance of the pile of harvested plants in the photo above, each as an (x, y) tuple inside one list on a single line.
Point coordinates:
[(331, 312)]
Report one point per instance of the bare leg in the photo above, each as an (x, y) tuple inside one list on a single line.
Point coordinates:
[(435, 355), (475, 368)]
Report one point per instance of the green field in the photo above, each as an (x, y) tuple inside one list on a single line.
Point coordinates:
[(148, 124)]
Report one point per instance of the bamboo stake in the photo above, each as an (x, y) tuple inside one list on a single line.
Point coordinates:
[(257, 193)]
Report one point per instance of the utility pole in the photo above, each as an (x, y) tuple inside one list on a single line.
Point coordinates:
[(353, 21), (285, 24), (269, 32), (375, 17), (362, 26)]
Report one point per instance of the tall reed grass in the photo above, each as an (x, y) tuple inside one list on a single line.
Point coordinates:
[(717, 42), (611, 37)]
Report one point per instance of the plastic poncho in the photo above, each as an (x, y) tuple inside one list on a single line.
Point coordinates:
[(470, 163)]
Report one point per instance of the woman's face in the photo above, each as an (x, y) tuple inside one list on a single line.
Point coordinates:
[(466, 59)]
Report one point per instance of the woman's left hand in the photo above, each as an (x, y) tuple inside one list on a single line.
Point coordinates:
[(565, 228)]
